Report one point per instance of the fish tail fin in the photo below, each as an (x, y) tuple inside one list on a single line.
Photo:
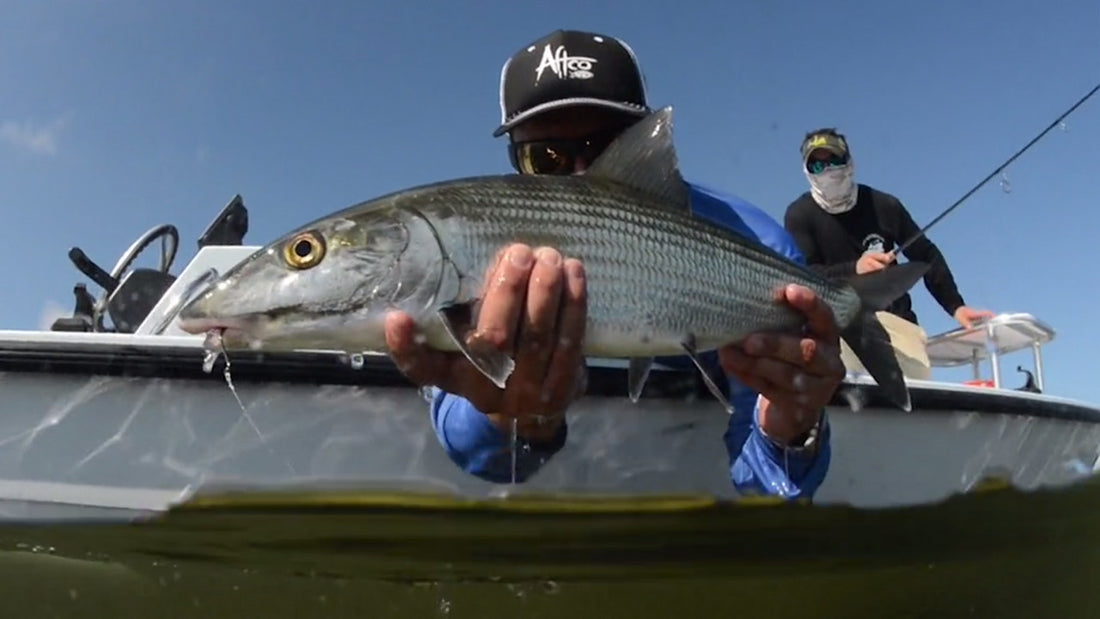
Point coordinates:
[(866, 336)]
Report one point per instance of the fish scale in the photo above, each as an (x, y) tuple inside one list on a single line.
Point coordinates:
[(648, 270)]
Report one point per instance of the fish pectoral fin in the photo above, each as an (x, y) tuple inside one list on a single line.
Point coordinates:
[(688, 344), (637, 374), (496, 365)]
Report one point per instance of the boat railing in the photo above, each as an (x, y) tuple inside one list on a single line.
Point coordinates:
[(989, 341)]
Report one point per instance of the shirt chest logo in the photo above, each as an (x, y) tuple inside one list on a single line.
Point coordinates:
[(874, 242)]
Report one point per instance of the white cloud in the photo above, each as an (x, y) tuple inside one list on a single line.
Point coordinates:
[(40, 140)]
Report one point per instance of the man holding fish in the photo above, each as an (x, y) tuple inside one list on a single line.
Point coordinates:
[(564, 98), (494, 289)]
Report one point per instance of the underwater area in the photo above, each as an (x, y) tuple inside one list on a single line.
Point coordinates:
[(999, 553)]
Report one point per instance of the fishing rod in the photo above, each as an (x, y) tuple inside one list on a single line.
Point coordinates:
[(1000, 168)]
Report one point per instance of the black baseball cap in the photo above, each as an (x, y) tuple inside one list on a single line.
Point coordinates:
[(567, 68)]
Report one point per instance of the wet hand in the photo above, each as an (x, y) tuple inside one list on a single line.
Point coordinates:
[(797, 375), (873, 261), (534, 307), (967, 316)]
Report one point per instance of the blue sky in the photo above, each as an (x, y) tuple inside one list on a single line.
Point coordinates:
[(118, 115)]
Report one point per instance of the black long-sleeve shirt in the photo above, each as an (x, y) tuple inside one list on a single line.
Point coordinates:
[(832, 244)]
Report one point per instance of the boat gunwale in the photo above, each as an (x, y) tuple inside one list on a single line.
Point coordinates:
[(180, 358)]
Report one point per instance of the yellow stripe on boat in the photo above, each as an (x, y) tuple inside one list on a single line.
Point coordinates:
[(989, 484), (526, 503)]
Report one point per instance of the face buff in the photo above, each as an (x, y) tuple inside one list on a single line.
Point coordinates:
[(834, 189)]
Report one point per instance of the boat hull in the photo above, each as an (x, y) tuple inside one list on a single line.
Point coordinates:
[(95, 428)]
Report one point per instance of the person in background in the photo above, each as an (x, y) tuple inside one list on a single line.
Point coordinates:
[(564, 98), (843, 227)]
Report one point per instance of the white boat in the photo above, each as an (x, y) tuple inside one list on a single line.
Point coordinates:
[(122, 422)]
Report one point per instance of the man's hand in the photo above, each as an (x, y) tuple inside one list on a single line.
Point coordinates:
[(967, 316), (534, 307), (873, 261), (796, 375)]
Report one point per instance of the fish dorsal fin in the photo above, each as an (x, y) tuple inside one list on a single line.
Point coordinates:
[(644, 158)]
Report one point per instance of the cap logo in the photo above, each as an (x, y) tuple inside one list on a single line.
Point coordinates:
[(824, 140), (564, 66)]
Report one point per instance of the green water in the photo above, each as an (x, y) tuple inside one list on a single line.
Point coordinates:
[(998, 554)]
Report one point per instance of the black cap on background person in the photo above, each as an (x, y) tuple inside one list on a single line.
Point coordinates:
[(567, 68)]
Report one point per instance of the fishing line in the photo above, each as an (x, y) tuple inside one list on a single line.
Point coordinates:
[(1057, 121)]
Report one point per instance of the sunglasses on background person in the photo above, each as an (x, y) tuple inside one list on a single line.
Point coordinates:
[(818, 166)]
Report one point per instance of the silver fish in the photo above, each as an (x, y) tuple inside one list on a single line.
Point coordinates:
[(660, 281)]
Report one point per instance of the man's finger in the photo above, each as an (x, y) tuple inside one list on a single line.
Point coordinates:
[(776, 380), (503, 300), (806, 354), (451, 372), (819, 316), (419, 364), (539, 320), (782, 375), (745, 368), (561, 377)]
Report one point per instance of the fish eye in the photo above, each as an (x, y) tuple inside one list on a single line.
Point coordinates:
[(304, 250)]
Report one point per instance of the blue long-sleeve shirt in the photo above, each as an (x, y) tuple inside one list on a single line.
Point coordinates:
[(757, 465)]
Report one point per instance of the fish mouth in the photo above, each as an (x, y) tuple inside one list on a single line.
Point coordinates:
[(222, 332), (196, 326)]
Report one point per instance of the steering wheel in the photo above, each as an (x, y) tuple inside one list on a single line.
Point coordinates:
[(163, 232), (170, 240)]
